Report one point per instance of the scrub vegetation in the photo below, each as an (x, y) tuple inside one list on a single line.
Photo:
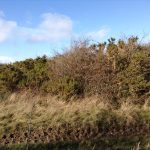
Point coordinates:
[(89, 91)]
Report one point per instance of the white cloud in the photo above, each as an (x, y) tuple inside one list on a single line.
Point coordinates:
[(100, 34), (53, 27), (5, 60), (6, 29)]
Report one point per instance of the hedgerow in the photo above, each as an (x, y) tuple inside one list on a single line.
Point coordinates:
[(113, 70)]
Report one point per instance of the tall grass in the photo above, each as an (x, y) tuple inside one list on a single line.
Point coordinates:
[(51, 111)]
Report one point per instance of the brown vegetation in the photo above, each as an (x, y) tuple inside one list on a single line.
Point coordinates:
[(89, 91), (55, 120)]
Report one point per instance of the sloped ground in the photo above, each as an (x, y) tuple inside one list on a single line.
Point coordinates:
[(26, 117)]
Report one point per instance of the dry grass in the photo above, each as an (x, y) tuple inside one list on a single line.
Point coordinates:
[(49, 110)]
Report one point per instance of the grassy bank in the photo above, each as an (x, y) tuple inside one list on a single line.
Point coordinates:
[(52, 119)]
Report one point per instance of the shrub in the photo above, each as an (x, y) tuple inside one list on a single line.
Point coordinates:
[(113, 70)]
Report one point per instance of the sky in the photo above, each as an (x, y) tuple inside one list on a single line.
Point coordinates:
[(31, 28)]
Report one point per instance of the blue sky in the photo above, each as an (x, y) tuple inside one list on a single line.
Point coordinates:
[(30, 28)]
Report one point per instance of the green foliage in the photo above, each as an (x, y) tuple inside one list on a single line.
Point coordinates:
[(116, 70), (10, 77), (65, 87), (135, 79)]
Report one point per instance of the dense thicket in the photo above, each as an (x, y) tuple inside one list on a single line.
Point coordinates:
[(113, 70)]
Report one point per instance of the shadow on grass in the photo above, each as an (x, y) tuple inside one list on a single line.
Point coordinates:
[(129, 143)]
